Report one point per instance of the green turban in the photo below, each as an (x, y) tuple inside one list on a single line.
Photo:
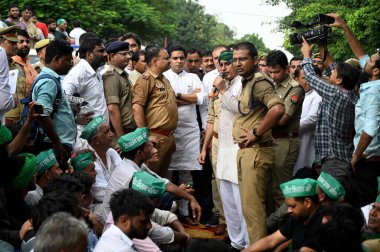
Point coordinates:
[(27, 171), (378, 183), (81, 160), (299, 188), (5, 135), (330, 186), (148, 184), (133, 140), (91, 128), (45, 160), (226, 55)]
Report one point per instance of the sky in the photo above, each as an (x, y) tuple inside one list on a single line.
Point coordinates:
[(249, 16)]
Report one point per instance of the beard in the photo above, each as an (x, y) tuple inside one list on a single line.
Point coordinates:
[(135, 233), (23, 52)]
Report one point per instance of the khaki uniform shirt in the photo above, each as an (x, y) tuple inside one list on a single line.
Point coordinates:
[(293, 95), (263, 97), (213, 111), (118, 90), (155, 94)]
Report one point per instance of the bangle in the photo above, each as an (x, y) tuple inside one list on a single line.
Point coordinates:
[(254, 132)]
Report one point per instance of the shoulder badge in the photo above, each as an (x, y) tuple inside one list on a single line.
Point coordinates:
[(294, 99)]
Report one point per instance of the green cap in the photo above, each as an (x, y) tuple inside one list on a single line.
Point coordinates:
[(330, 186), (299, 188), (378, 183), (226, 55), (61, 21), (5, 135), (133, 140), (45, 160), (148, 184), (27, 171), (81, 160), (91, 128)]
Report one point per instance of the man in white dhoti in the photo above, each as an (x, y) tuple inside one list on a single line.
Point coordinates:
[(189, 92), (226, 168)]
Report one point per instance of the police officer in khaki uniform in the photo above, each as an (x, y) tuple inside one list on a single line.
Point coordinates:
[(285, 134), (154, 106), (260, 108), (41, 50), (118, 89)]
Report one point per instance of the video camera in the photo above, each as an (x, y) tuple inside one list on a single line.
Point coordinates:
[(317, 31)]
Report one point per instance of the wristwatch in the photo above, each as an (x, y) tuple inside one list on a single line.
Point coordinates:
[(254, 132), (178, 96)]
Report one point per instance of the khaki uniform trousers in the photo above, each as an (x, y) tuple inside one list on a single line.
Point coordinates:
[(286, 152), (215, 183), (166, 147), (254, 166)]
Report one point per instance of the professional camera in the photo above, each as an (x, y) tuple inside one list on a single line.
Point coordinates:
[(317, 31)]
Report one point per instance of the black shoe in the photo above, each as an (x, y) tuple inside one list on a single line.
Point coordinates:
[(213, 221)]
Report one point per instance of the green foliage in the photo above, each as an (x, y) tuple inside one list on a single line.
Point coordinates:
[(362, 16), (256, 40)]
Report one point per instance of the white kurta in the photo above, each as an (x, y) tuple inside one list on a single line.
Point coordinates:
[(227, 151), (308, 122), (114, 240), (187, 134), (208, 82)]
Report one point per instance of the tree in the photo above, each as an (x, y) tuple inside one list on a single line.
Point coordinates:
[(361, 15), (256, 40)]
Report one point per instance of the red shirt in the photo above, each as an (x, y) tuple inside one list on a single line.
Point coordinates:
[(43, 28)]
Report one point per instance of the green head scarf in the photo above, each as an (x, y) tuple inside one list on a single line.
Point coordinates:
[(148, 184), (299, 188), (81, 160), (330, 186), (45, 160), (27, 171), (5, 135), (133, 140), (91, 128), (226, 55)]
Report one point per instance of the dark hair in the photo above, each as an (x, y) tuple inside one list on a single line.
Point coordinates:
[(86, 35), (194, 50), (76, 23), (206, 53), (136, 55), (88, 45), (247, 46), (349, 75), (84, 179), (57, 48), (152, 51), (130, 203), (277, 57), (316, 70), (27, 7), (23, 33), (199, 244), (132, 36), (50, 21), (64, 183), (14, 166), (314, 199), (132, 153), (177, 48), (54, 202), (306, 172), (13, 5), (295, 58)]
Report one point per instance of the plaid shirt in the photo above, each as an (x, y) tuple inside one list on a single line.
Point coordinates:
[(336, 116)]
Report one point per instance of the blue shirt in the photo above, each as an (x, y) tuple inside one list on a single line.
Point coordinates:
[(367, 113), (44, 93)]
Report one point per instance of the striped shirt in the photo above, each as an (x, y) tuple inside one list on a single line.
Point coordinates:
[(336, 115)]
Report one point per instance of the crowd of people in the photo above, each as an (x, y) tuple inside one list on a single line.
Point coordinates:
[(116, 145)]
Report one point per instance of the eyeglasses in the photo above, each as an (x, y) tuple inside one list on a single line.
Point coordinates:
[(242, 59)]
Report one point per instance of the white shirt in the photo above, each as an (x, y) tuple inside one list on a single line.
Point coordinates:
[(6, 99), (33, 197), (187, 134), (83, 79), (114, 240), (104, 173), (308, 122), (208, 82), (121, 178), (227, 149), (75, 34)]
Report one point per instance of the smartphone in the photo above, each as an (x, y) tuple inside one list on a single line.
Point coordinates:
[(38, 109)]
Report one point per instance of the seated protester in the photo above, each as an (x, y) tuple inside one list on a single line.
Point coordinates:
[(50, 237), (47, 168), (341, 228), (84, 161), (305, 218), (49, 204), (99, 136), (132, 212), (335, 127), (15, 181), (136, 149), (96, 228), (329, 189), (65, 183), (372, 238)]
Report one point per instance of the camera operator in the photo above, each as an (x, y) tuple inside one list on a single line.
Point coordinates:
[(335, 126), (366, 158)]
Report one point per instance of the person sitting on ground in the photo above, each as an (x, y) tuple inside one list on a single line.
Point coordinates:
[(84, 161)]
